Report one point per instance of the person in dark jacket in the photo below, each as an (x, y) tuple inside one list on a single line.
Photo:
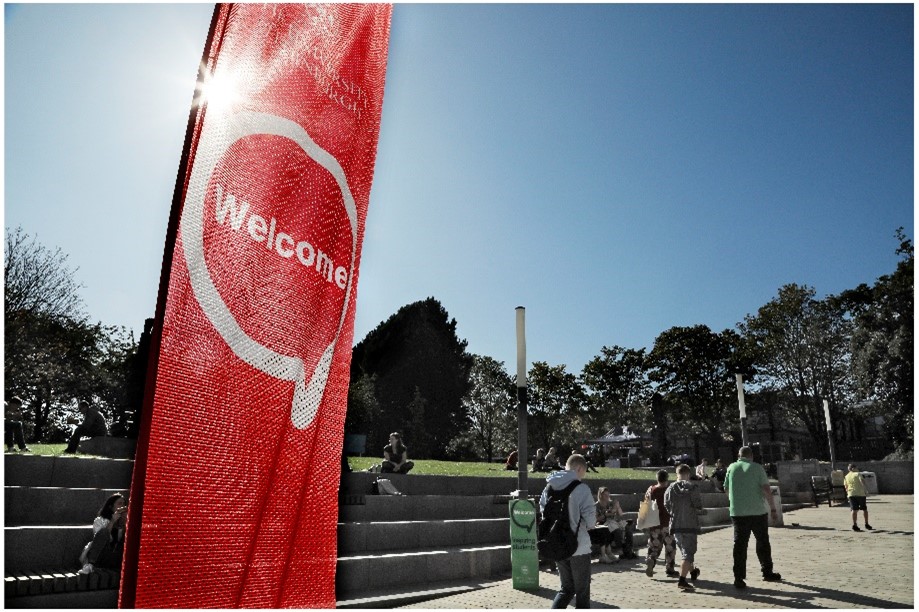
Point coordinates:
[(659, 538), (93, 425), (684, 503)]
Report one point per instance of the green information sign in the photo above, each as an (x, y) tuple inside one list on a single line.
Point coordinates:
[(524, 557)]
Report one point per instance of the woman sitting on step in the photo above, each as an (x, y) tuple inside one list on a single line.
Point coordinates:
[(395, 456), (106, 547), (612, 528)]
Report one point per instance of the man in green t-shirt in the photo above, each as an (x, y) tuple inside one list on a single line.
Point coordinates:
[(858, 496), (748, 490)]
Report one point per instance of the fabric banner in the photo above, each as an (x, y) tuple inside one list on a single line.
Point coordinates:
[(234, 497)]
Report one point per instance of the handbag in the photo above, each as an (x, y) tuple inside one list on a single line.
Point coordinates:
[(648, 515)]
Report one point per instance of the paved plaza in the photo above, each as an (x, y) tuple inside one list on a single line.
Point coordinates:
[(824, 564)]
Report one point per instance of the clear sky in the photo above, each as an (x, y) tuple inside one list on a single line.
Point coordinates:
[(617, 169)]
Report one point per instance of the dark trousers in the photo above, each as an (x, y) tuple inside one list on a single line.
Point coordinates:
[(104, 550), (12, 430), (759, 527), (574, 574)]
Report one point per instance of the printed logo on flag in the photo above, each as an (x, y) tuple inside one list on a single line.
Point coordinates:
[(228, 218)]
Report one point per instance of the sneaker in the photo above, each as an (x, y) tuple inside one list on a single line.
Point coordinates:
[(673, 573), (868, 527), (682, 584), (10, 449), (649, 568), (772, 577), (856, 528), (739, 584), (25, 449), (87, 569), (694, 574)]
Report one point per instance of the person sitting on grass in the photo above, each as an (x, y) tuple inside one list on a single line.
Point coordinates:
[(551, 461), (106, 547), (511, 463), (539, 461), (395, 456)]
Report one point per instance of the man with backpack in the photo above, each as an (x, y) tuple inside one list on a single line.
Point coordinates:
[(567, 542)]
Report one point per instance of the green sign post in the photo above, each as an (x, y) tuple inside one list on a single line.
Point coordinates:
[(524, 557)]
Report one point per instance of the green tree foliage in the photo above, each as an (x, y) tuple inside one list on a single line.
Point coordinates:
[(882, 345), (694, 369), (491, 415), (556, 407), (420, 372), (617, 389), (53, 354), (802, 348)]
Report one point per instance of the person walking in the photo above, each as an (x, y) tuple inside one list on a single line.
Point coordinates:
[(574, 572), (749, 494), (684, 503), (858, 496), (659, 538)]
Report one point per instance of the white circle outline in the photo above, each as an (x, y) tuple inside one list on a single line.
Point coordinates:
[(216, 139)]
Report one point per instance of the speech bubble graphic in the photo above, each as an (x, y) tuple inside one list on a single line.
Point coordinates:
[(529, 506), (216, 139)]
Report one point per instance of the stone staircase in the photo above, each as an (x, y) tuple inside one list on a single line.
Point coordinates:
[(447, 534), (49, 504), (443, 535)]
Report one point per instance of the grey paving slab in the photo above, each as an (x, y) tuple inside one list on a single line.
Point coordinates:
[(824, 564)]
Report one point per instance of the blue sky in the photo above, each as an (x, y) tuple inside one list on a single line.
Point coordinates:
[(617, 169)]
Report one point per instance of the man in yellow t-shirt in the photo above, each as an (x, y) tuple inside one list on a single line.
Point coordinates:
[(858, 495)]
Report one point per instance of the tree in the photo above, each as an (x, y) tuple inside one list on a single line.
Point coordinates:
[(802, 349), (617, 389), (694, 370), (421, 371), (882, 346), (53, 354), (556, 407), (490, 411)]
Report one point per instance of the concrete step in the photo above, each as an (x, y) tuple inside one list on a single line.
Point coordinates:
[(420, 484), (358, 538), (68, 471), (384, 508), (53, 505), (362, 573), (38, 549), (62, 590)]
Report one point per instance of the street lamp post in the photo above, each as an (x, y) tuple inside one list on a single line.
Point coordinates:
[(522, 455), (743, 411), (829, 434)]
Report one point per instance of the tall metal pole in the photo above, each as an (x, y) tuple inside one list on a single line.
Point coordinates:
[(743, 411), (829, 434), (522, 454)]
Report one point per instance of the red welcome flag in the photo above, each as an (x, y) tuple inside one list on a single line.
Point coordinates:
[(234, 496)]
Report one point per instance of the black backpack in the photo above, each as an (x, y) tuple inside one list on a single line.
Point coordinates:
[(554, 539)]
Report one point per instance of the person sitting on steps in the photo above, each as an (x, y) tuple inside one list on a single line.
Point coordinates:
[(395, 456), (619, 532), (106, 547), (93, 425)]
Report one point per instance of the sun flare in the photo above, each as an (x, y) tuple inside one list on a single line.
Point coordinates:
[(219, 92)]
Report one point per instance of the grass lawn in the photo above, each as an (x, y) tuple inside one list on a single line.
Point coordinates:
[(44, 449), (480, 468), (431, 467)]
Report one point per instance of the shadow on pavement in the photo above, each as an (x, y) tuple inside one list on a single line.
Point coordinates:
[(801, 599)]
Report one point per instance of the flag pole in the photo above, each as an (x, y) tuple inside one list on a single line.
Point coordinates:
[(743, 411), (522, 454), (128, 588)]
